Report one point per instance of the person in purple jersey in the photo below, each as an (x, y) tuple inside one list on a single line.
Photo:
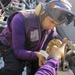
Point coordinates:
[(27, 32)]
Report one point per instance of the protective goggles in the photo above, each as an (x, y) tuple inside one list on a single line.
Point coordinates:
[(61, 15)]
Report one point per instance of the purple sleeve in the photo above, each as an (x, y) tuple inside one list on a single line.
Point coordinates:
[(49, 68), (18, 39)]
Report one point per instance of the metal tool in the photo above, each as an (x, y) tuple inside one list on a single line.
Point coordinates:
[(69, 46)]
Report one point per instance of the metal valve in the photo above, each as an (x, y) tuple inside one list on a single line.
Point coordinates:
[(65, 66)]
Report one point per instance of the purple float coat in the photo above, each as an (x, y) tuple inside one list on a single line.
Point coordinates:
[(49, 68), (18, 35)]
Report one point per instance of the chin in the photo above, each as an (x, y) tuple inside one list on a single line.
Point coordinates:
[(48, 28)]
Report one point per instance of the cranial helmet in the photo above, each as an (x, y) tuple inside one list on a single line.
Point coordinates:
[(57, 10)]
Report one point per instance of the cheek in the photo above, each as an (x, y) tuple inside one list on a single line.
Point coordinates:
[(47, 27), (48, 22), (50, 26)]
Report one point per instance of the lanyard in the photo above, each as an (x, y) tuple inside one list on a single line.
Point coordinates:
[(44, 38)]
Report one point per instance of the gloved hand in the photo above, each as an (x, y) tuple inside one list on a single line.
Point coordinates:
[(41, 59)]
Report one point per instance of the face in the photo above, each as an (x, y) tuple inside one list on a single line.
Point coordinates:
[(49, 23)]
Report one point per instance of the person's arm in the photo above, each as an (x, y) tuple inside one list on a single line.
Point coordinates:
[(49, 68), (19, 39)]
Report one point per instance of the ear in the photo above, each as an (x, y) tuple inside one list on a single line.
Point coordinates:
[(38, 9)]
